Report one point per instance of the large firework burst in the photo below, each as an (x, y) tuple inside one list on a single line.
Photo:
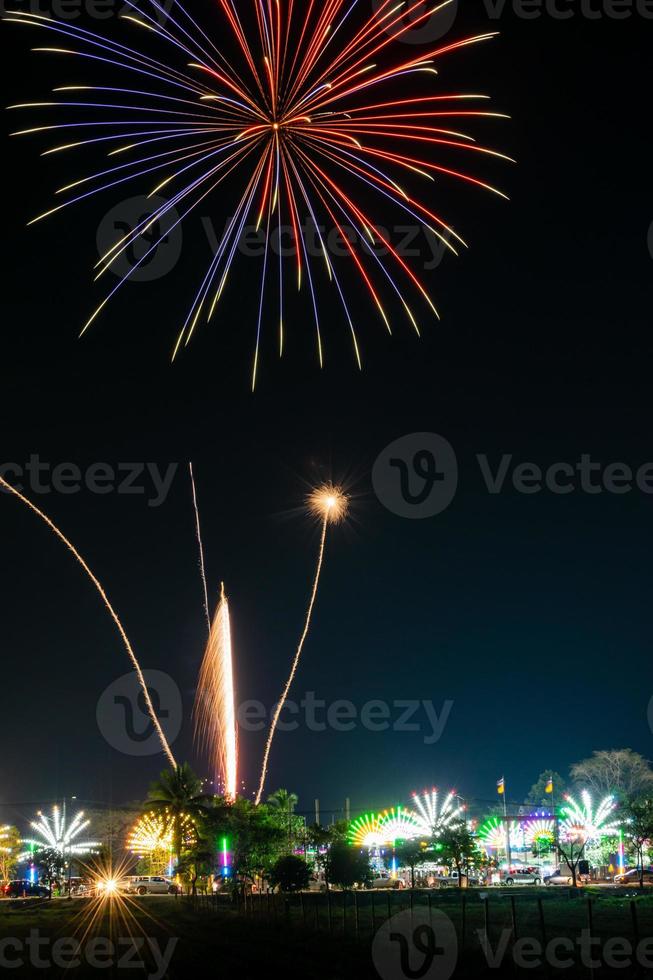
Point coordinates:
[(288, 111)]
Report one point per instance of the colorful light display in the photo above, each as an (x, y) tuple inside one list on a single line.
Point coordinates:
[(154, 832), (307, 110), (225, 857), (434, 816), (583, 822), (492, 833), (384, 829), (399, 824), (61, 836), (538, 832), (366, 831)]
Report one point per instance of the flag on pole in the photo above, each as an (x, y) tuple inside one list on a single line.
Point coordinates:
[(549, 785), (501, 786)]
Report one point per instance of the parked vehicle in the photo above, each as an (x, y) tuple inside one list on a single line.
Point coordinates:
[(22, 888), (564, 877), (523, 876), (317, 883), (385, 881), (150, 885), (632, 877), (469, 878)]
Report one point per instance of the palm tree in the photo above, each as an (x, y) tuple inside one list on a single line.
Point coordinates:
[(178, 792), (284, 802)]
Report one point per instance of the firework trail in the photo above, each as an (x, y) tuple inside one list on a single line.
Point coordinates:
[(299, 107), (330, 505), (198, 532), (114, 615), (215, 715)]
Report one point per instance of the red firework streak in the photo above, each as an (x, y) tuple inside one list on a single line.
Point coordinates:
[(291, 110)]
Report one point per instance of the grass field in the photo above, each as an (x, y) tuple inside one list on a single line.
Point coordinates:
[(319, 936)]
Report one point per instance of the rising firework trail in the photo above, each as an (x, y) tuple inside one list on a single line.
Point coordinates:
[(215, 714), (329, 504), (198, 533), (302, 117), (112, 612)]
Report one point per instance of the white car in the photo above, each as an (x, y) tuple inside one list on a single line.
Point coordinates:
[(469, 878), (523, 876), (150, 885), (385, 881), (565, 877)]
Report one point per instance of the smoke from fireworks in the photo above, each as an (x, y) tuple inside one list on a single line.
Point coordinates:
[(300, 107), (114, 615), (329, 504), (215, 714)]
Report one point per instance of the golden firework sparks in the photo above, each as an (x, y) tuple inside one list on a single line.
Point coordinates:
[(329, 503)]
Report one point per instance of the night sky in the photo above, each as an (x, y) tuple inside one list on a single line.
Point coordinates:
[(531, 612)]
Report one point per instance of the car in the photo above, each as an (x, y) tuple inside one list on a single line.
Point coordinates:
[(385, 881), (523, 876), (22, 888), (446, 881), (632, 877), (317, 883), (150, 885), (564, 877)]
